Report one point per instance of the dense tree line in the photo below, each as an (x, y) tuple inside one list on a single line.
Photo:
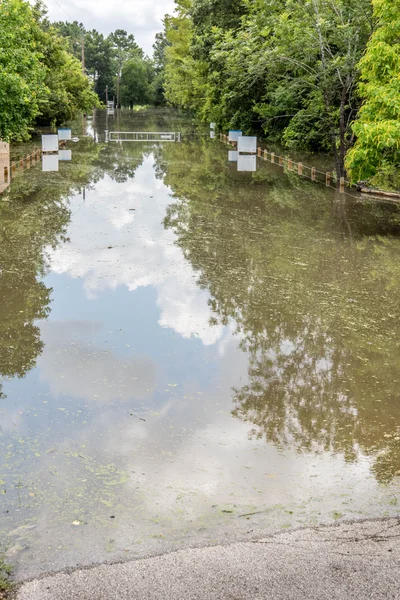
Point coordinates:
[(51, 71), (319, 75), (377, 148), (298, 70), (40, 81), (115, 64)]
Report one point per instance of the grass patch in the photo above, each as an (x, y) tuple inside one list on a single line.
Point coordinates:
[(6, 585)]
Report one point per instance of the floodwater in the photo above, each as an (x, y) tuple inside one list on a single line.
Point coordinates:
[(189, 354)]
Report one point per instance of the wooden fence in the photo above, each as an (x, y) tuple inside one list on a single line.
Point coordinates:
[(328, 178), (26, 162)]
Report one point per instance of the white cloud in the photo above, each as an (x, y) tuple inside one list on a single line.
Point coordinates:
[(73, 365), (140, 17), (127, 245)]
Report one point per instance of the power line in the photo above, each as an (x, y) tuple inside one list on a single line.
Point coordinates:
[(64, 11)]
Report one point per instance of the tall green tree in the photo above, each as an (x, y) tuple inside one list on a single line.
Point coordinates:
[(74, 33), (98, 52), (184, 80), (100, 62), (136, 82), (378, 125), (40, 81), (69, 89), (159, 49), (288, 67), (125, 48), (22, 70)]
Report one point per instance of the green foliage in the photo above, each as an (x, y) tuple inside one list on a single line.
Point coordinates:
[(22, 70), (40, 81), (108, 59), (5, 584), (377, 148), (184, 82), (288, 67), (136, 82), (159, 57), (69, 89), (74, 34), (159, 47), (100, 62)]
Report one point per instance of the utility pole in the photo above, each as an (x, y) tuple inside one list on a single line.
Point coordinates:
[(107, 95), (83, 54), (118, 99)]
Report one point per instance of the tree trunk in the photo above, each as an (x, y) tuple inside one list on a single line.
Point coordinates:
[(342, 136)]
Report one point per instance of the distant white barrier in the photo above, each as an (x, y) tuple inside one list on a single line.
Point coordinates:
[(143, 136)]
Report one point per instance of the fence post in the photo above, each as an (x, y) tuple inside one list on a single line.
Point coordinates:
[(342, 185), (281, 161), (328, 179), (300, 168), (289, 164), (272, 157), (259, 151), (313, 174)]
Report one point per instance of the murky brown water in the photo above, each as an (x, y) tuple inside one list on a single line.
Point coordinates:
[(190, 354)]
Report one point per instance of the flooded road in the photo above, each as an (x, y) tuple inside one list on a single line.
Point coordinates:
[(190, 354)]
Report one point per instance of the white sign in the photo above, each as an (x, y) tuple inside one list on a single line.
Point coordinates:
[(49, 143), (234, 135), (248, 144), (64, 134), (50, 162), (65, 154), (212, 135), (247, 162), (233, 156), (212, 125)]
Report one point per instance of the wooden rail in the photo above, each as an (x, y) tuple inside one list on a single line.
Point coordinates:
[(302, 170), (23, 163)]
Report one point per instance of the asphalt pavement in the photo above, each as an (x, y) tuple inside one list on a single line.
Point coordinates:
[(357, 561)]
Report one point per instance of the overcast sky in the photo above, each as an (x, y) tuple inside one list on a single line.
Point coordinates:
[(140, 17)]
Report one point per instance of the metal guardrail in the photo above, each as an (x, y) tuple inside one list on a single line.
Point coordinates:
[(142, 136)]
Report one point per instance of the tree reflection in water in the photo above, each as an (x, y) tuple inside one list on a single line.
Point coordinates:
[(34, 216), (312, 281)]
